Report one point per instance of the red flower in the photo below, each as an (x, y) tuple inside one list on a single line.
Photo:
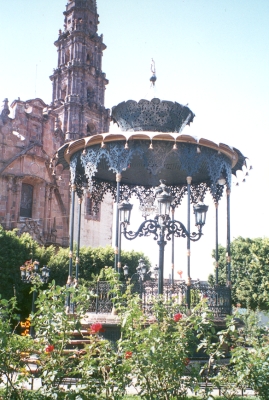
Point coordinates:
[(128, 354), (49, 348), (96, 327), (186, 361), (177, 317)]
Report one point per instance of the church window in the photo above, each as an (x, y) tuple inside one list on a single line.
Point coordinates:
[(91, 129), (90, 96), (26, 200), (63, 93), (67, 55), (91, 211)]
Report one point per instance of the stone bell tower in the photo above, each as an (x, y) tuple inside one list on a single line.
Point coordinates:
[(78, 81)]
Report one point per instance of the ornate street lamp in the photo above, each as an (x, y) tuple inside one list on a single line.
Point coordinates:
[(30, 272), (141, 271), (162, 227), (125, 209)]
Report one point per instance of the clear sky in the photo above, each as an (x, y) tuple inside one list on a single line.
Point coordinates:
[(211, 54)]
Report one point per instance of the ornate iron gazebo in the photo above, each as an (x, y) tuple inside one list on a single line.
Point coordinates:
[(150, 147)]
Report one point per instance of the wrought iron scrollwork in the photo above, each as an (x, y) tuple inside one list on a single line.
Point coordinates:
[(167, 229), (217, 297), (198, 192), (153, 115), (161, 157)]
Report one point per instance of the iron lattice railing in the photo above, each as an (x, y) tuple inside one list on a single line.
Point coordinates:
[(218, 297)]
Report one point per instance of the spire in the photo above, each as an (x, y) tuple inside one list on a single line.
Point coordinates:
[(81, 15), (78, 81)]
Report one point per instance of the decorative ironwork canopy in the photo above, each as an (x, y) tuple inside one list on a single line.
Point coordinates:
[(154, 115), (143, 158)]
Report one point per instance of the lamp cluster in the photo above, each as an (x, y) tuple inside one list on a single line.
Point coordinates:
[(162, 227), (141, 271), (162, 210), (30, 270)]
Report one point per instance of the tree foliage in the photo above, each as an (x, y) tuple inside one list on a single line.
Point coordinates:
[(249, 272), (15, 250), (91, 262)]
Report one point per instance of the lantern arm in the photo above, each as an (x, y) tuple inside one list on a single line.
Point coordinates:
[(147, 228), (178, 229)]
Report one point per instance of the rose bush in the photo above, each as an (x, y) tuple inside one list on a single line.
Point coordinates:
[(156, 353)]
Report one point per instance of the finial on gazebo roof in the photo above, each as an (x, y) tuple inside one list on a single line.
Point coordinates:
[(153, 70)]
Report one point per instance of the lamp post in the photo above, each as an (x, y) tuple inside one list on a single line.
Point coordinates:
[(162, 226), (141, 273), (30, 272)]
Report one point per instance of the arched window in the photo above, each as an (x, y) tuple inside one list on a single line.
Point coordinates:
[(67, 56), (92, 212), (63, 93), (26, 200), (90, 95), (91, 129)]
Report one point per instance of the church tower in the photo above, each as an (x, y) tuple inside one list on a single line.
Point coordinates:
[(78, 81)]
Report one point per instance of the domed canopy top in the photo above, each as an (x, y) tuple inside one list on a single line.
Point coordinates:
[(154, 116)]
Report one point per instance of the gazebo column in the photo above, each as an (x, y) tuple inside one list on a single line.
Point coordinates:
[(228, 248), (217, 244), (119, 248), (78, 236), (71, 232), (173, 250), (116, 249), (188, 294)]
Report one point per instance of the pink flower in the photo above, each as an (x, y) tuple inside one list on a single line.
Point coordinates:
[(96, 327), (128, 354), (49, 348), (177, 317)]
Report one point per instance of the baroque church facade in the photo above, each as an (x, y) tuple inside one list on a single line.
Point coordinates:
[(34, 196)]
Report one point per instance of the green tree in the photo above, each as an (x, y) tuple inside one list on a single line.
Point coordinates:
[(15, 250), (91, 262), (249, 272)]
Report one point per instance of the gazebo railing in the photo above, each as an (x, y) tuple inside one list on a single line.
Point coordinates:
[(218, 297)]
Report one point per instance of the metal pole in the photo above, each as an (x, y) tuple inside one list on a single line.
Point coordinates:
[(161, 244), (173, 247), (228, 249), (229, 283), (188, 294), (78, 237), (217, 243), (71, 239), (32, 331), (116, 251), (71, 234), (119, 252)]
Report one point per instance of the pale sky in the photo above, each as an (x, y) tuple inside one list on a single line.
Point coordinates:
[(210, 54)]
